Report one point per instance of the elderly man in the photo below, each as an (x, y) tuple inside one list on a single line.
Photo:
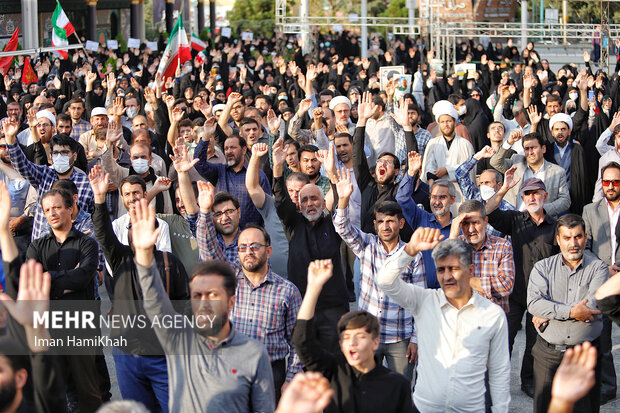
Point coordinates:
[(560, 296), (446, 152), (461, 335), (99, 120)]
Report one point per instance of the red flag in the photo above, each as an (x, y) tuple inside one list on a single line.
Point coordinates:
[(11, 46), (28, 75)]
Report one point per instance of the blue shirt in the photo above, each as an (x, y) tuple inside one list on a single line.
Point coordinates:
[(563, 161), (417, 217)]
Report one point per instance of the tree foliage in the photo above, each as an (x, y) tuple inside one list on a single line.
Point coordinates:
[(255, 15)]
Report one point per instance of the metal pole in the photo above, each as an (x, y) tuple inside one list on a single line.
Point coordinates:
[(304, 10), (564, 18), (201, 16), (134, 19), (25, 52), (524, 16), (169, 15), (364, 43), (31, 23), (212, 17)]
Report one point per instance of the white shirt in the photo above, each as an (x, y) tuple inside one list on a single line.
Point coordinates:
[(455, 347), (613, 221)]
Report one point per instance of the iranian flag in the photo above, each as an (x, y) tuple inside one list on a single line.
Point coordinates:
[(61, 29), (197, 44), (177, 50), (201, 57)]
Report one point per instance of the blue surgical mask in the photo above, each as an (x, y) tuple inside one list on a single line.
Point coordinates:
[(140, 165), (61, 163)]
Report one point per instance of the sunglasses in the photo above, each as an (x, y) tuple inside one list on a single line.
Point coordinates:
[(615, 182)]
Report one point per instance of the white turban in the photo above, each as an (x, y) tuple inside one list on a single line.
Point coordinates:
[(47, 115), (561, 117), (217, 107), (444, 107), (338, 100)]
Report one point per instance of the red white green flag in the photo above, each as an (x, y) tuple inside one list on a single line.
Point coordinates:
[(177, 50), (197, 44), (61, 30)]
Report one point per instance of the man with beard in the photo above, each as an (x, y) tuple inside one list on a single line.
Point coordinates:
[(41, 177), (225, 217), (231, 177), (79, 125), (442, 198), (99, 120), (601, 220), (532, 234), (234, 108), (398, 343), (560, 297), (312, 236), (446, 152), (323, 125), (238, 373), (310, 165), (533, 165), (266, 306), (571, 157)]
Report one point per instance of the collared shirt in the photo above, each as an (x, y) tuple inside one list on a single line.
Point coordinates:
[(555, 288), (417, 217), (69, 280), (531, 243), (613, 222), (494, 265), (396, 323), (224, 178), (79, 128), (41, 177), (422, 136), (268, 313), (211, 244), (471, 191), (529, 173), (456, 347), (562, 156)]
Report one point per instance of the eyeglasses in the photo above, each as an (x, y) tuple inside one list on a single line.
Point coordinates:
[(608, 182), (65, 152), (385, 162), (252, 247), (228, 212)]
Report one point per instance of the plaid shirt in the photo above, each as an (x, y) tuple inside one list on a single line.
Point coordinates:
[(396, 322), (471, 191), (224, 178), (422, 136), (41, 177), (211, 245), (495, 266), (267, 313), (79, 128)]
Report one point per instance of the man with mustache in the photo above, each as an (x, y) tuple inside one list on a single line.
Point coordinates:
[(560, 296), (532, 232)]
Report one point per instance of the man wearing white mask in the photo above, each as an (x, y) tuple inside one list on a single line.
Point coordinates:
[(446, 152), (41, 177)]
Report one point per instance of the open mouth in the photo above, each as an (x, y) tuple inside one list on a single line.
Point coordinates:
[(354, 355), (382, 171)]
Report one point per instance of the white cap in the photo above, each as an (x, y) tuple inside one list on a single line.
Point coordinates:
[(338, 100), (48, 115), (561, 117), (98, 111), (444, 107), (219, 106)]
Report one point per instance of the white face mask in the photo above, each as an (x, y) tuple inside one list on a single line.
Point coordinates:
[(61, 163), (461, 110), (140, 165), (573, 96), (486, 192)]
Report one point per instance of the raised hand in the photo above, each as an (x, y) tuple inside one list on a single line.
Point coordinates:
[(615, 121), (118, 108), (149, 96), (344, 187), (114, 132), (423, 239), (277, 152), (31, 115), (33, 294), (162, 183), (181, 160), (304, 106), (206, 194), (366, 109), (273, 122), (414, 163), (206, 108), (260, 149), (515, 136), (342, 129), (177, 115), (10, 128), (535, 116), (307, 393), (90, 79), (143, 232), (99, 181), (510, 181), (528, 81), (575, 376), (402, 115), (233, 98), (311, 73), (390, 89), (319, 272), (586, 57), (485, 153), (111, 82), (328, 159)]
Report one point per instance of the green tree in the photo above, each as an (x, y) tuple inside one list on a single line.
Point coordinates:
[(396, 8), (255, 15)]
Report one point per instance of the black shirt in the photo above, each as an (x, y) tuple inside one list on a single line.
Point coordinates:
[(61, 261), (530, 243), (379, 390)]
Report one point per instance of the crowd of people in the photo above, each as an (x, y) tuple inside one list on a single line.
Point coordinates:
[(361, 249)]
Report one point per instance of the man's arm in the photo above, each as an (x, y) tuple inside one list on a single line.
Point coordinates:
[(499, 161), (539, 302), (76, 279), (257, 195), (463, 178), (601, 143), (293, 304), (209, 247), (510, 181), (501, 284), (206, 169), (113, 136), (35, 174), (499, 367), (562, 203), (352, 236)]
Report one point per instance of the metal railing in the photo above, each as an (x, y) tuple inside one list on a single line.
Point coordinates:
[(41, 50)]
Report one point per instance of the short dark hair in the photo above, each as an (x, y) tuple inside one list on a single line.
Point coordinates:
[(390, 208), (532, 136), (185, 122), (292, 142), (66, 185), (216, 267), (242, 142), (613, 165), (14, 353), (377, 100), (308, 148), (344, 135), (247, 121), (67, 198), (62, 140), (63, 117), (359, 319), (616, 129), (266, 235), (472, 205), (396, 161), (455, 98), (496, 123), (569, 221), (326, 92), (132, 180), (77, 100), (414, 106), (553, 98), (224, 196), (299, 177)]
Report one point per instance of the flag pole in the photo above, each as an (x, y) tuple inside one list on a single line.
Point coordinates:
[(178, 44)]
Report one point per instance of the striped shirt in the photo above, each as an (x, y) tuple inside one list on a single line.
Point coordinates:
[(79, 128), (495, 266), (208, 241), (396, 322)]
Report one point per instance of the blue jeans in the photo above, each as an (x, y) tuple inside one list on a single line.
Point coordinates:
[(143, 378)]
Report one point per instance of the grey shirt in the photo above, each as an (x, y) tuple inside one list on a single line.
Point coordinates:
[(279, 257), (233, 376), (554, 289)]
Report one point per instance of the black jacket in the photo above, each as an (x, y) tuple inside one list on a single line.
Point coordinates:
[(379, 390)]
